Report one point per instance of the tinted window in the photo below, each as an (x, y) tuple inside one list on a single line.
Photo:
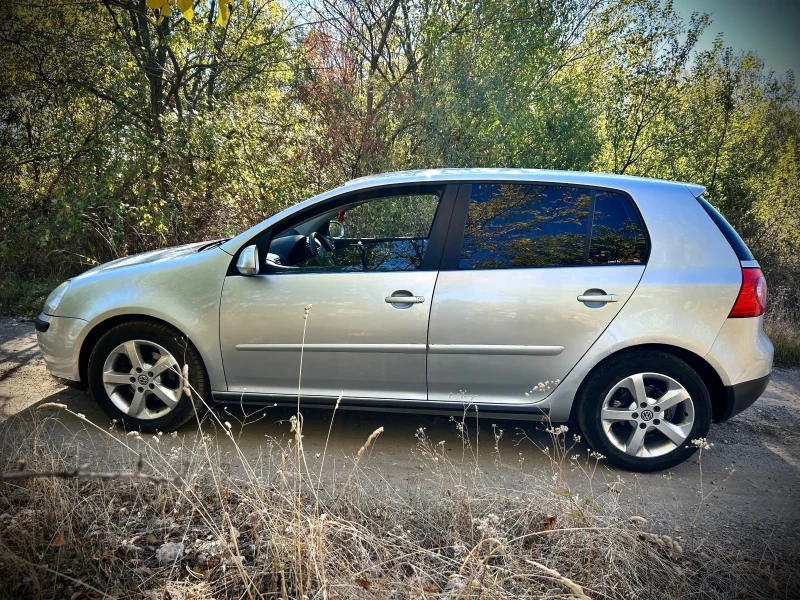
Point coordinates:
[(617, 232), (525, 225)]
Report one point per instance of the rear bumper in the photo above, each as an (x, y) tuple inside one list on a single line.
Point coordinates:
[(742, 351), (742, 395)]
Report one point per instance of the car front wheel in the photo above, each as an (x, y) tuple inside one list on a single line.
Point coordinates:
[(136, 375), (642, 411)]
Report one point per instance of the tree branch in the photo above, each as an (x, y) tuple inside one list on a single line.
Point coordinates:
[(84, 473)]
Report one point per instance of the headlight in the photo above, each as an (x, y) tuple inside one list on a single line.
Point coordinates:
[(54, 298)]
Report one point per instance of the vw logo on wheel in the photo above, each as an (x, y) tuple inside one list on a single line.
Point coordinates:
[(143, 379), (647, 415)]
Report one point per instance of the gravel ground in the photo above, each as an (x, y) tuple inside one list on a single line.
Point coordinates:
[(752, 472)]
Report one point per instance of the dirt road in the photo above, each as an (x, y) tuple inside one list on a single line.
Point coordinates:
[(752, 473)]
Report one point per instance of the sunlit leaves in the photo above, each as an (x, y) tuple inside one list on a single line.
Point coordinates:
[(224, 11), (120, 144), (186, 7)]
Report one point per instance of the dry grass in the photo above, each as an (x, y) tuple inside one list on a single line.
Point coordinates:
[(188, 519), (276, 528), (785, 337), (782, 325)]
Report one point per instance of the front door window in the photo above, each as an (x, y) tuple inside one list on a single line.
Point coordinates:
[(389, 233)]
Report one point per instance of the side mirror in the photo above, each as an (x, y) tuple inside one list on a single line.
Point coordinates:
[(248, 261), (336, 229)]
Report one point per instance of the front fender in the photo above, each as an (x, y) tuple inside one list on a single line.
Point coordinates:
[(183, 292)]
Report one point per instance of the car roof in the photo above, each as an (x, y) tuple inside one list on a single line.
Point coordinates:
[(507, 174), (624, 183)]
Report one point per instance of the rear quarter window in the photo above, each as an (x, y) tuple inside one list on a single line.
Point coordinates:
[(618, 236)]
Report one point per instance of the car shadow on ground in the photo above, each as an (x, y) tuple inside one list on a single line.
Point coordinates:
[(749, 477), (521, 445)]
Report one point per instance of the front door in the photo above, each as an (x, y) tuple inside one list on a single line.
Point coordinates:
[(368, 278), (540, 273)]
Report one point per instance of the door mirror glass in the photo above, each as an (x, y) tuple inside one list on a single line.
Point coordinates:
[(248, 261), (336, 229)]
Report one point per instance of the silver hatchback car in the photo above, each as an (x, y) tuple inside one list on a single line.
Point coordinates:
[(629, 305)]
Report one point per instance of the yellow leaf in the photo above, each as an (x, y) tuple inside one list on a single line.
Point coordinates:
[(58, 541), (187, 8), (166, 10), (155, 4), (224, 13)]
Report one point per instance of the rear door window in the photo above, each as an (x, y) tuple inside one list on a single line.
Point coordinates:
[(524, 226), (542, 225)]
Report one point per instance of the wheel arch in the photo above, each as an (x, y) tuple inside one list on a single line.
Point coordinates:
[(701, 366), (102, 327)]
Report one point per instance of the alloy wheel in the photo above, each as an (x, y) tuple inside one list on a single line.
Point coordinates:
[(647, 415), (142, 379)]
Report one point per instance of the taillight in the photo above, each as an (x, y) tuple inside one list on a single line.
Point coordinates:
[(752, 297)]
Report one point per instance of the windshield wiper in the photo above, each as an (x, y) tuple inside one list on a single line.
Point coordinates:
[(213, 244)]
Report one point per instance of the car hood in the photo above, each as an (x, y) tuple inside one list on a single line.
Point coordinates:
[(152, 256)]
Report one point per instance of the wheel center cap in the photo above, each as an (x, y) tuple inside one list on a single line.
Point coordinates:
[(143, 379), (647, 415)]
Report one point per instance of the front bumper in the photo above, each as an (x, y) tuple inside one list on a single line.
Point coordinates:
[(57, 338), (742, 395)]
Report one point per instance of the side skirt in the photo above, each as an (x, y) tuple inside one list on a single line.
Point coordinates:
[(423, 407)]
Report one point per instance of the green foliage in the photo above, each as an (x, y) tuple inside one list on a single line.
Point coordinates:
[(120, 134), (785, 338), (25, 296), (132, 124)]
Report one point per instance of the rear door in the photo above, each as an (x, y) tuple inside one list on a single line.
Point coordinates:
[(531, 276)]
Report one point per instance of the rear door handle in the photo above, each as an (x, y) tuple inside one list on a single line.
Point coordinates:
[(404, 299), (598, 298)]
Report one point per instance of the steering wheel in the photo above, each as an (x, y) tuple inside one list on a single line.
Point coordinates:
[(317, 241)]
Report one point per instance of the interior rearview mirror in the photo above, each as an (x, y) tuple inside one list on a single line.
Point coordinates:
[(248, 261), (336, 229)]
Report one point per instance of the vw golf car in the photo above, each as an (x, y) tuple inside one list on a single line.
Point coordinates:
[(628, 305)]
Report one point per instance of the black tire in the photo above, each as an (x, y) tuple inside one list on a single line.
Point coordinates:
[(176, 344), (589, 403)]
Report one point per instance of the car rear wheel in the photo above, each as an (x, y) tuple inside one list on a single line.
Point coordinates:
[(642, 411), (136, 376)]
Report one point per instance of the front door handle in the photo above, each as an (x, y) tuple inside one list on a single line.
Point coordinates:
[(404, 299), (597, 298)]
